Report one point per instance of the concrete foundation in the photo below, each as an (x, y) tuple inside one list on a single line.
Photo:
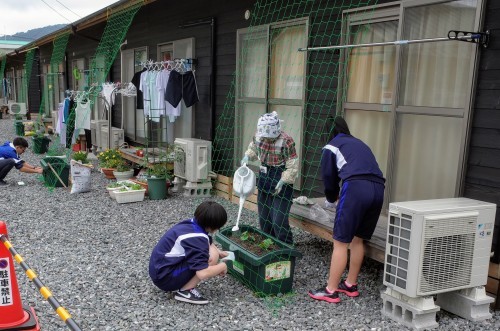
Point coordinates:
[(471, 303), (417, 313)]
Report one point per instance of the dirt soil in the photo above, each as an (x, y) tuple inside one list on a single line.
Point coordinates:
[(252, 245)]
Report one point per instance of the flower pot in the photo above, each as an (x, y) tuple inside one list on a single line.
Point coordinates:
[(270, 273), (19, 128), (157, 188), (123, 175), (76, 147), (139, 153), (144, 185), (108, 172), (129, 196), (40, 144)]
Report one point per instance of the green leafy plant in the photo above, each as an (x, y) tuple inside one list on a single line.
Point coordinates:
[(114, 185), (159, 170), (80, 156), (266, 243), (110, 158), (247, 236), (123, 166)]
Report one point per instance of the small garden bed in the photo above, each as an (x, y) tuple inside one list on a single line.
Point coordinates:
[(263, 263)]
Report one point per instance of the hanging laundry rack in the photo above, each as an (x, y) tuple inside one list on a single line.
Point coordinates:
[(180, 65)]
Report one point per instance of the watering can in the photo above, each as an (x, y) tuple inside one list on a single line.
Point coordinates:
[(243, 186), (244, 182)]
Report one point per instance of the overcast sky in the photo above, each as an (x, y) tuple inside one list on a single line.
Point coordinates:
[(23, 15)]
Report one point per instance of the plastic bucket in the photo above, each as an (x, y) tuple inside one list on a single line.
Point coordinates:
[(40, 145), (157, 188), (244, 181)]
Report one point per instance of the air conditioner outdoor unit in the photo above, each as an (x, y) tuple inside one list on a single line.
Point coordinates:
[(17, 108), (437, 246), (193, 159), (95, 131), (117, 137)]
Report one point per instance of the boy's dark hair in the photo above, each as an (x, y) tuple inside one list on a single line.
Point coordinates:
[(340, 126), (19, 141), (210, 215)]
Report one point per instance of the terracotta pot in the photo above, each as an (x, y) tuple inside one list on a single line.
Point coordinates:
[(139, 153), (108, 172)]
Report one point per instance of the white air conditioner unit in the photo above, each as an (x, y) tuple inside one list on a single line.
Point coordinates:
[(95, 131), (193, 159), (117, 137), (17, 108), (437, 246)]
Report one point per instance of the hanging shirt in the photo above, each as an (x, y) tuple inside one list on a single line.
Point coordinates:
[(166, 108), (60, 115), (82, 117), (144, 87), (66, 110), (107, 91), (136, 80)]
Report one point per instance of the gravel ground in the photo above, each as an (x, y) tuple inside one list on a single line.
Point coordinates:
[(93, 254)]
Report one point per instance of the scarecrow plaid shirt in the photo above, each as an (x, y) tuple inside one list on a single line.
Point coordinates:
[(275, 153)]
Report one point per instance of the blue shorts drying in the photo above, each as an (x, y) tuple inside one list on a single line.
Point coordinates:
[(358, 210), (181, 86)]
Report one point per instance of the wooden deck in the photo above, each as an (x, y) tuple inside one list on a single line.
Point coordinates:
[(152, 156)]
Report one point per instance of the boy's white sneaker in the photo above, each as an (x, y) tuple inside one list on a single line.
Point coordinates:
[(191, 296)]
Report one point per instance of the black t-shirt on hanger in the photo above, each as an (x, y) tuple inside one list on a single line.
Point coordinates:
[(136, 80)]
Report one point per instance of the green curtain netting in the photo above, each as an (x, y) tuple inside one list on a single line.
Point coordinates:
[(303, 88), (115, 31)]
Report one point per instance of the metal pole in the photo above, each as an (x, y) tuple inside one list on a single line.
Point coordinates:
[(60, 310), (396, 42)]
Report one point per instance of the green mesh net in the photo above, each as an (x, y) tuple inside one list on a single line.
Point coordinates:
[(302, 87), (56, 173), (25, 80), (3, 62)]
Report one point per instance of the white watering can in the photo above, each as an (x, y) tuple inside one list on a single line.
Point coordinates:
[(244, 186)]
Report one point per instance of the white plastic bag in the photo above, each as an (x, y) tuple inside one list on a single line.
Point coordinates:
[(318, 214), (80, 177)]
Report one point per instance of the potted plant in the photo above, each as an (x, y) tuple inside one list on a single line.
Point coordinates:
[(158, 175), (130, 193), (262, 262), (109, 161), (123, 170), (40, 143), (81, 157), (115, 186)]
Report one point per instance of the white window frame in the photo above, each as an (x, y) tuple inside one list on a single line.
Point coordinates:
[(266, 100), (387, 12)]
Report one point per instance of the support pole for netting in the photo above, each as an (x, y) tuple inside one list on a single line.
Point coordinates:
[(481, 38)]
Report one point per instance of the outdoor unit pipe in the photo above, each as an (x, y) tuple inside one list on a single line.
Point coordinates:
[(211, 21)]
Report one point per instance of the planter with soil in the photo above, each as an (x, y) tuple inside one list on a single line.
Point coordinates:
[(263, 263)]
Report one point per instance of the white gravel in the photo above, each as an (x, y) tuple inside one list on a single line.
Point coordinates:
[(93, 254)]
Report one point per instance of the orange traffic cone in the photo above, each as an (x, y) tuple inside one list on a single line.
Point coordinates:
[(13, 314)]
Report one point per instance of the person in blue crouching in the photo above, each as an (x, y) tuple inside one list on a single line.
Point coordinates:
[(10, 157), (185, 255), (348, 161)]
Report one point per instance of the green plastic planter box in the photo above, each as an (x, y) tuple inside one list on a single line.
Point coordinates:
[(40, 145), (271, 273), (61, 168)]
